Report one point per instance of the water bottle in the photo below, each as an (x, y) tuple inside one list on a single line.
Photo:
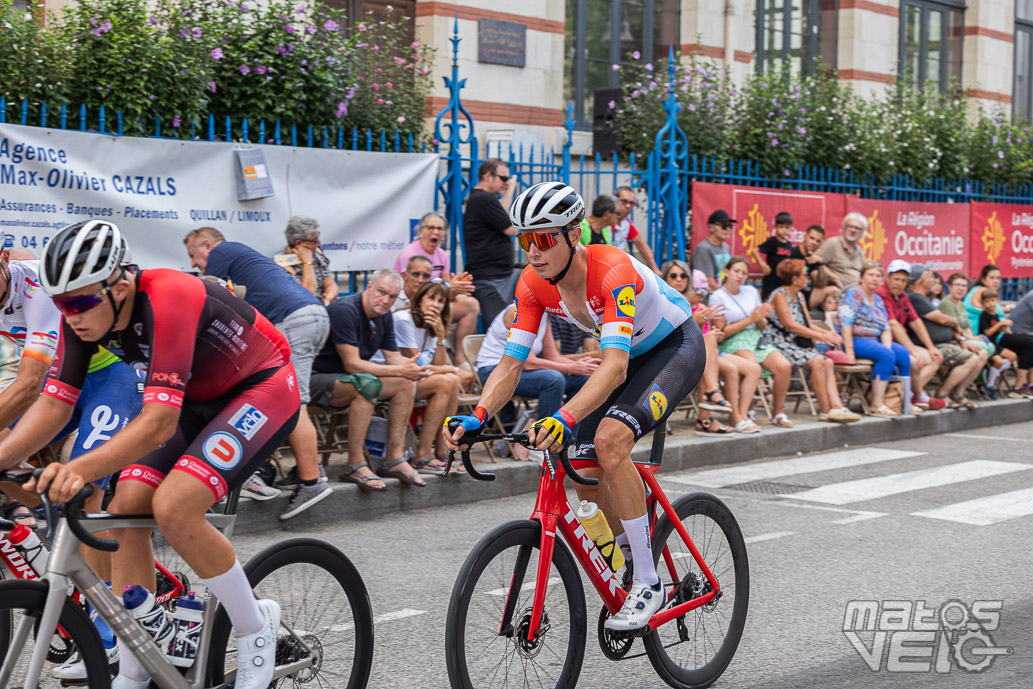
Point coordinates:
[(187, 620), (594, 521), (32, 550), (426, 357), (141, 604)]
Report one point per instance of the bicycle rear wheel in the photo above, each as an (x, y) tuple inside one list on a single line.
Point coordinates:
[(692, 651), (24, 600), (476, 653), (323, 601)]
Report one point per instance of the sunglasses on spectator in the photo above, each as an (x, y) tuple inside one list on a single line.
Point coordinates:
[(504, 178), (629, 202), (678, 276), (702, 292), (434, 228), (853, 227), (439, 281), (419, 274), (70, 306)]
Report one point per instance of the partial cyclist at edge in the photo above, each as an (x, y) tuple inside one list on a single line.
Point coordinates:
[(653, 355), (220, 396)]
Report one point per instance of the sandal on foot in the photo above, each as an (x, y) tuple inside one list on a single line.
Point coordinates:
[(431, 464), (781, 420), (352, 475), (712, 426), (885, 412), (746, 426), (410, 479), (710, 404), (964, 403)]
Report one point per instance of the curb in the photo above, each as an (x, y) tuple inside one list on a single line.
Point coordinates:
[(681, 453)]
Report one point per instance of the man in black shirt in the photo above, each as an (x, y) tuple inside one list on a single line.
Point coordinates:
[(344, 376), (487, 233), (819, 287)]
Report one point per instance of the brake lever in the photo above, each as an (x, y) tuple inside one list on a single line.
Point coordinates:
[(51, 512)]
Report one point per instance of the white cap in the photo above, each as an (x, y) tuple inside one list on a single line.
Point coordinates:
[(898, 265)]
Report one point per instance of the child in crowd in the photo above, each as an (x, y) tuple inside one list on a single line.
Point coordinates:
[(829, 315), (773, 251), (831, 307), (997, 329)]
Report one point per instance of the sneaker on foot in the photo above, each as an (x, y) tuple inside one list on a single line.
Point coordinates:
[(305, 497), (74, 668), (917, 402), (991, 392), (256, 489), (291, 479), (643, 602), (843, 415), (256, 653), (936, 404)]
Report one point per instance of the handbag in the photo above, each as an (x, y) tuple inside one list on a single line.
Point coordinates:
[(800, 340)]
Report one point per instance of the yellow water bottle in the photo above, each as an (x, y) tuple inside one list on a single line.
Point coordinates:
[(594, 521)]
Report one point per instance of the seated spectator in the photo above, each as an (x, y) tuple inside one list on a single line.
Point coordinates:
[(999, 331), (418, 329), (360, 326), (711, 255), (938, 290), (865, 327), (430, 234), (743, 319), (573, 342), (740, 375), (418, 272), (598, 225), (842, 255), (1022, 315), (926, 359), (791, 331), (816, 271), (953, 305), (773, 251), (829, 313), (963, 360), (305, 261), (989, 279), (625, 231), (547, 375)]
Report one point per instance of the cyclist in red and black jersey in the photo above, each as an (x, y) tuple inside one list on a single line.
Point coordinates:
[(652, 356), (220, 395)]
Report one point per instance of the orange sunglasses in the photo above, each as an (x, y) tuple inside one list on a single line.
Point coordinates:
[(544, 240)]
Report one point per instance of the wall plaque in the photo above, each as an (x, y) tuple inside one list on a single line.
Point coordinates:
[(501, 43)]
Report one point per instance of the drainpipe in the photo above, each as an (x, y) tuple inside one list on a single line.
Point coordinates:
[(729, 33)]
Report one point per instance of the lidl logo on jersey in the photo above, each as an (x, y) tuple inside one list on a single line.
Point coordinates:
[(657, 402), (248, 421), (624, 297), (222, 450)]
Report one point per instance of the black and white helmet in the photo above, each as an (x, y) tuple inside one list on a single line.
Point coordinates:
[(545, 205), (80, 255)]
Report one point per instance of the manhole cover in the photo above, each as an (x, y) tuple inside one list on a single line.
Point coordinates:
[(768, 487)]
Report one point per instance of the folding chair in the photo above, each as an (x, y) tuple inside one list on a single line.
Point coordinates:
[(471, 347), (853, 386), (800, 376)]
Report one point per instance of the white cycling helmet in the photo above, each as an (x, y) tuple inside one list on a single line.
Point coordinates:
[(545, 205), (81, 254)]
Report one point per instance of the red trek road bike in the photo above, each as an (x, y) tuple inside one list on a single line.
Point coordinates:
[(517, 616)]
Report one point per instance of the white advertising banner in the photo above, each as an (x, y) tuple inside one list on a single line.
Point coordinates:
[(157, 190)]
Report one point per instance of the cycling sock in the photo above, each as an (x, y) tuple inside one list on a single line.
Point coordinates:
[(128, 665), (642, 555), (622, 543), (234, 592)]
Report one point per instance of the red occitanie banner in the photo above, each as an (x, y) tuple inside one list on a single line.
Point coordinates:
[(1002, 235), (934, 234), (755, 210)]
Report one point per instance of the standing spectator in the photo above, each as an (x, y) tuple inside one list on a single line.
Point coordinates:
[(964, 360), (864, 325), (712, 254), (842, 255), (305, 261), (743, 321), (487, 230), (816, 271), (360, 326), (625, 231), (999, 331), (423, 328), (925, 360), (792, 333), (597, 227), (431, 232), (1022, 315), (295, 312), (773, 251)]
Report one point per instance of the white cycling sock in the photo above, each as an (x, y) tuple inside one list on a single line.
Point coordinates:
[(128, 665), (234, 592), (637, 531)]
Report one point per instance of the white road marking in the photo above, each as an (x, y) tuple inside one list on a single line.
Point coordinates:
[(986, 437), (762, 471), (386, 617), (894, 484), (856, 515), (985, 511), (526, 587), (769, 536)]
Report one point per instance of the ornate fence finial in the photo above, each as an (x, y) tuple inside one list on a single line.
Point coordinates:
[(670, 155), (452, 185)]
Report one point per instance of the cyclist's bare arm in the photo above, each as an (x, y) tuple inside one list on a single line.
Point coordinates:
[(23, 391), (44, 419), (144, 434)]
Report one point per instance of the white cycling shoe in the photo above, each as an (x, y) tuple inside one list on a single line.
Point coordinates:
[(256, 653), (75, 668), (643, 602)]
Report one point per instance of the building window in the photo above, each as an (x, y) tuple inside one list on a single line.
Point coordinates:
[(931, 33), (799, 33), (1022, 101), (602, 33)]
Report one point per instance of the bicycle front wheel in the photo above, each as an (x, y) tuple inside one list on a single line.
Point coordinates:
[(326, 616), (487, 642), (692, 651), (22, 602)]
